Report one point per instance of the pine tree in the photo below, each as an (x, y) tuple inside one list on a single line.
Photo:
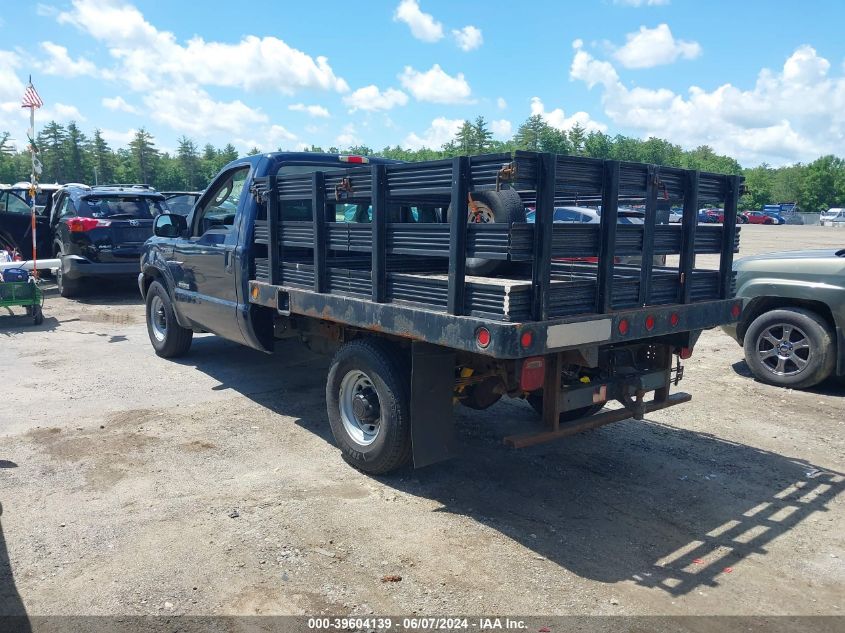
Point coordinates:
[(103, 159), (189, 162), (482, 135), (529, 136), (465, 141), (144, 156), (75, 149), (51, 142), (577, 136)]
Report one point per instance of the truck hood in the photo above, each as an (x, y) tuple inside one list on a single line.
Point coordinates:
[(794, 263)]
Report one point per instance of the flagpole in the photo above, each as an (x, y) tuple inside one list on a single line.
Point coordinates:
[(33, 188)]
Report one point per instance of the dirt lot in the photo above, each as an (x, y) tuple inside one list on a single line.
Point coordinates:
[(135, 485)]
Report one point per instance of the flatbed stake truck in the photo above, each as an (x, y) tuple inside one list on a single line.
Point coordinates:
[(429, 287)]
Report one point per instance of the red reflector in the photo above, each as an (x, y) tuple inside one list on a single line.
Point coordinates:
[(736, 310), (526, 339), (649, 323), (533, 373), (81, 225), (685, 352), (674, 319), (482, 337), (354, 159), (623, 327)]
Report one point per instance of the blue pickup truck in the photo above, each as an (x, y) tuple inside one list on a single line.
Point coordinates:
[(424, 308)]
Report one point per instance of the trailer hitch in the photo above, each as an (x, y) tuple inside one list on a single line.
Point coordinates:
[(634, 403)]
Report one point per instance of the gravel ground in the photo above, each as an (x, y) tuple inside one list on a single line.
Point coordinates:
[(134, 485)]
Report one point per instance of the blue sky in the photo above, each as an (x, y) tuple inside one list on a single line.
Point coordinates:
[(761, 81)]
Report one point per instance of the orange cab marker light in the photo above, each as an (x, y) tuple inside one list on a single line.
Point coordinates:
[(361, 160)]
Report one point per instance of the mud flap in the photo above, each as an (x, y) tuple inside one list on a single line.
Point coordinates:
[(432, 416)]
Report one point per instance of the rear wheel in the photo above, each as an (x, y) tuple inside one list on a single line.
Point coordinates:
[(492, 207), (169, 339), (535, 399), (68, 288), (368, 406), (791, 347)]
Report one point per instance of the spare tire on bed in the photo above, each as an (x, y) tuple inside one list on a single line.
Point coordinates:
[(499, 207)]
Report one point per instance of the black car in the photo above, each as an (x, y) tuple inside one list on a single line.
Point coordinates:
[(100, 231), (16, 219), (181, 202)]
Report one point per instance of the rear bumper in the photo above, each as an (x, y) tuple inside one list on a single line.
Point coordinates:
[(76, 267), (507, 340)]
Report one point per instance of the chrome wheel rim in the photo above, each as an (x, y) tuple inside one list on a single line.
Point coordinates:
[(481, 214), (158, 318), (784, 349), (360, 410)]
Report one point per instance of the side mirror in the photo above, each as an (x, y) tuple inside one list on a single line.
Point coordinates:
[(170, 225)]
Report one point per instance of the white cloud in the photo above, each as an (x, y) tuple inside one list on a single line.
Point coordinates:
[(149, 58), (58, 62), (435, 85), (370, 98), (316, 111), (795, 114), (502, 128), (272, 138), (468, 38), (60, 112), (423, 25), (189, 109), (348, 137), (11, 88), (119, 104), (558, 119), (641, 3), (117, 139), (654, 47), (441, 131), (501, 103)]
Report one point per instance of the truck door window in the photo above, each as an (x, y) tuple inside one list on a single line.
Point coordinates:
[(219, 210), (15, 204)]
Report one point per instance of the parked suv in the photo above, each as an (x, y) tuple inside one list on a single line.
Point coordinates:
[(793, 323), (100, 231)]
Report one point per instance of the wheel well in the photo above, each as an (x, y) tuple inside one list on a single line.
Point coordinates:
[(151, 275), (759, 305)]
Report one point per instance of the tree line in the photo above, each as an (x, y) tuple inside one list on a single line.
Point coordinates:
[(69, 155)]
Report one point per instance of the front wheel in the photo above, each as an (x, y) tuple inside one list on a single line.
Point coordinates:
[(367, 396), (68, 288), (791, 347), (169, 339)]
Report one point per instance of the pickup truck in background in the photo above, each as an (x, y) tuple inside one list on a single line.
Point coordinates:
[(422, 307), (793, 326)]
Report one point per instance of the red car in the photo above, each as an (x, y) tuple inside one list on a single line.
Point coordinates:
[(759, 217), (718, 215)]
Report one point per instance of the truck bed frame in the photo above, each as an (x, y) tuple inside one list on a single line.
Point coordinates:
[(409, 279)]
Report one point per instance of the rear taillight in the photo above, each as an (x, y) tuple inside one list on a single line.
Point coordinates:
[(736, 310), (533, 373), (81, 225), (685, 352), (482, 337), (623, 327)]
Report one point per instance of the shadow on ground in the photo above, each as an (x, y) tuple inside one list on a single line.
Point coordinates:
[(11, 606), (831, 387), (638, 500)]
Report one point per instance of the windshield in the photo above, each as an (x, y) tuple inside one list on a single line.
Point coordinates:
[(136, 207)]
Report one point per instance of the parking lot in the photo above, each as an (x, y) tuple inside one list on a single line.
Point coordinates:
[(134, 485)]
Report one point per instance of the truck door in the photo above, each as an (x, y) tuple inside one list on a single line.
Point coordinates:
[(206, 288)]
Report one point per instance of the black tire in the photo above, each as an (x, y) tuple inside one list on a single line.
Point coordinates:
[(384, 444), (169, 339), (535, 399), (742, 219), (38, 315), (800, 357), (506, 207), (68, 288)]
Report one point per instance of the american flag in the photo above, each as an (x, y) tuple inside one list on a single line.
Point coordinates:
[(31, 98)]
